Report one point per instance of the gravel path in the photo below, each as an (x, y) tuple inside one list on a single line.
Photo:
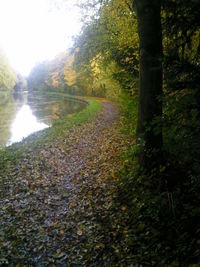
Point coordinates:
[(57, 206)]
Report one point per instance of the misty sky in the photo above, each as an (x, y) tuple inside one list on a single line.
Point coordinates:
[(34, 30)]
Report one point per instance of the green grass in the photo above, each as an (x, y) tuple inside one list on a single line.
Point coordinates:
[(12, 154)]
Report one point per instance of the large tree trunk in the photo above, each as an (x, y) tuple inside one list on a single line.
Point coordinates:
[(149, 135)]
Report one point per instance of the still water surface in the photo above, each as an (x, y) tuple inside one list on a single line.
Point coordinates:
[(24, 114)]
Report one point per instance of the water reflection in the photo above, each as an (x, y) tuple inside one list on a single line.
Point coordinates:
[(24, 124), (49, 107), (23, 114)]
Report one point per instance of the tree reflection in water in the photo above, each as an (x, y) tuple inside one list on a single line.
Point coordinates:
[(30, 112)]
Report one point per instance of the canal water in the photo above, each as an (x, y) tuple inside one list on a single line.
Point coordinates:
[(25, 113)]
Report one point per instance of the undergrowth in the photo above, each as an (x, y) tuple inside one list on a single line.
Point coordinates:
[(163, 225)]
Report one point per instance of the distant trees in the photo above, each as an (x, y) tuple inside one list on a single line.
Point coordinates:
[(55, 74), (37, 77), (21, 84)]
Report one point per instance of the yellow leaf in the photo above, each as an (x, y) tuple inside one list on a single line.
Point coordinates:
[(74, 181), (73, 205), (79, 232), (62, 232), (33, 186), (124, 208)]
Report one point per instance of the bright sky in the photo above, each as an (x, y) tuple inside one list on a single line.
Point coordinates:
[(32, 31)]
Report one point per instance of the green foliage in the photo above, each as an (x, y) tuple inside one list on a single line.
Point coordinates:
[(163, 221), (181, 113), (181, 45), (129, 106), (163, 226), (111, 42), (8, 77), (3, 97), (181, 127)]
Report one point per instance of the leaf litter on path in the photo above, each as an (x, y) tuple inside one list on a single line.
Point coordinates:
[(56, 204)]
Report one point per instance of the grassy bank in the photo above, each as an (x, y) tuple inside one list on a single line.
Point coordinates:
[(13, 153)]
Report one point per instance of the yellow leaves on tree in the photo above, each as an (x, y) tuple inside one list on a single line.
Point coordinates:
[(95, 66), (55, 80), (68, 71), (55, 68)]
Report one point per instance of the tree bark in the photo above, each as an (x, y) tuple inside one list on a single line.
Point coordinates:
[(149, 133)]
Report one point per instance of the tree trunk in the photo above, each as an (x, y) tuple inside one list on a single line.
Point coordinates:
[(149, 133)]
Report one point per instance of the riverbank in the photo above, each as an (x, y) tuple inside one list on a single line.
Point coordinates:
[(13, 153), (27, 112), (56, 199)]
